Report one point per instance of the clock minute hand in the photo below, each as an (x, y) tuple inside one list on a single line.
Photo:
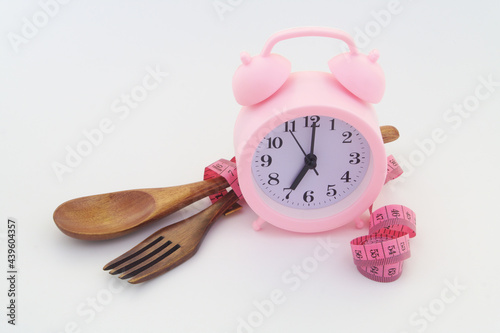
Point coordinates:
[(313, 138)]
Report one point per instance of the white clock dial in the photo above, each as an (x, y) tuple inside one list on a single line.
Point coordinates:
[(311, 162)]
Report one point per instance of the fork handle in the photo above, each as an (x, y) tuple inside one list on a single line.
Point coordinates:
[(218, 208)]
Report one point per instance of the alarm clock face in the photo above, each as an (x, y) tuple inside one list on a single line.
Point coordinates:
[(311, 162)]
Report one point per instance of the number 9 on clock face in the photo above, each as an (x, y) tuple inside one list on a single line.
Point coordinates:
[(311, 162)]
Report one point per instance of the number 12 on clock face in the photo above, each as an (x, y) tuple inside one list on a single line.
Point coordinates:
[(311, 162)]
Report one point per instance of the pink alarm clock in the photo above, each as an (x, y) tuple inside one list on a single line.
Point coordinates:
[(309, 152)]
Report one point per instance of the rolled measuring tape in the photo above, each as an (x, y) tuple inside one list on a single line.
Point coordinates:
[(379, 256)]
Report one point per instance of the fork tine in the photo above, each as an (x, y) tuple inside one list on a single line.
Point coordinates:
[(153, 269), (153, 264), (148, 254), (134, 253)]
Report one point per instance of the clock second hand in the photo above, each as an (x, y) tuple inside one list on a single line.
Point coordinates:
[(302, 149)]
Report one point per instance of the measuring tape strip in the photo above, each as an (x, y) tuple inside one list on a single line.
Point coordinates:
[(383, 273), (394, 217), (379, 256), (386, 247), (226, 169), (393, 169)]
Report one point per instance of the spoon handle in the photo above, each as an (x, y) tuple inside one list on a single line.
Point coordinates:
[(172, 199)]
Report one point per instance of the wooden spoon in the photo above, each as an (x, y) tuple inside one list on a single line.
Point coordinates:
[(111, 215)]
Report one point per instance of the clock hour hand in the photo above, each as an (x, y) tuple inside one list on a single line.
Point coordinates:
[(310, 163), (302, 149), (299, 178)]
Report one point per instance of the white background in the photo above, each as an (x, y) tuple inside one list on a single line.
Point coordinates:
[(63, 78)]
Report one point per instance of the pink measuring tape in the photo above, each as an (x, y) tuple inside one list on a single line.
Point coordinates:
[(393, 169), (226, 169), (378, 256)]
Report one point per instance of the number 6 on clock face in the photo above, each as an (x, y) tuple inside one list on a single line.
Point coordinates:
[(311, 162)]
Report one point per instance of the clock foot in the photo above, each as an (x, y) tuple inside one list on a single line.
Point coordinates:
[(257, 224), (359, 223)]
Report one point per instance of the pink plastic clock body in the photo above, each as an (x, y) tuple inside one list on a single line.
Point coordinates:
[(274, 100)]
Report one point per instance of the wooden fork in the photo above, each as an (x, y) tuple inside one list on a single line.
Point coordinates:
[(170, 246)]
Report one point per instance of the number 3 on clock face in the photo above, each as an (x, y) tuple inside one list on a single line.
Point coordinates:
[(311, 162)]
